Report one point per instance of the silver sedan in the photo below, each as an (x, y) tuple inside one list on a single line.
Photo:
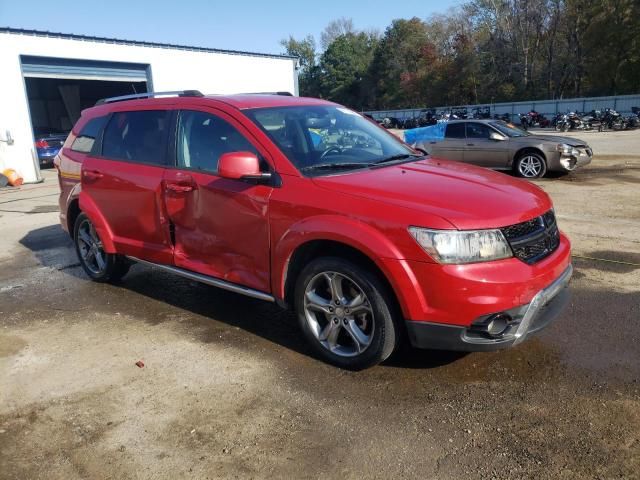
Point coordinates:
[(502, 146)]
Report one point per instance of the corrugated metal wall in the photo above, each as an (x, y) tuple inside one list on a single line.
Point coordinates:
[(621, 103)]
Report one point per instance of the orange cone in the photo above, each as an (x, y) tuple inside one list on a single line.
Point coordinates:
[(15, 180)]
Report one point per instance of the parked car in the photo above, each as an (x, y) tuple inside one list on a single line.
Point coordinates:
[(502, 146), (361, 235), (48, 142)]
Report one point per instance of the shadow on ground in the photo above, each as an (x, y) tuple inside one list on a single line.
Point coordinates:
[(53, 248)]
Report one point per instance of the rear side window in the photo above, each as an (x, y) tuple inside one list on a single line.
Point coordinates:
[(454, 130), (139, 136), (86, 139)]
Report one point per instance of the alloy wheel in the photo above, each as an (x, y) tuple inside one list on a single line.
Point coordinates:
[(91, 249), (530, 166), (339, 314)]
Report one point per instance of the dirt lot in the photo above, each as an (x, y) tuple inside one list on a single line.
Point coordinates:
[(229, 390)]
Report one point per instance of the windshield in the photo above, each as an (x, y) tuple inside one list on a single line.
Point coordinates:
[(509, 129), (321, 139)]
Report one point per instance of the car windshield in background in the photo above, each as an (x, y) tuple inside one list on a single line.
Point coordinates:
[(320, 140), (509, 129)]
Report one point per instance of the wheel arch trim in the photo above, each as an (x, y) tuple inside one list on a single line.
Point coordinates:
[(91, 210), (364, 238)]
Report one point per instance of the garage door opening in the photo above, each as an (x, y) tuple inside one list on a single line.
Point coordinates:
[(55, 104), (58, 90)]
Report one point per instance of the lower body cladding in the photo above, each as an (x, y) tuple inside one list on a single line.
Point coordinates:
[(499, 330)]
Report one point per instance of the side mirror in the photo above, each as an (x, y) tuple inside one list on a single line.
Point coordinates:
[(421, 150), (241, 166), (496, 137)]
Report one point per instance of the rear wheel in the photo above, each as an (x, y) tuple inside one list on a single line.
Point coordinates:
[(346, 313), (530, 165), (97, 264)]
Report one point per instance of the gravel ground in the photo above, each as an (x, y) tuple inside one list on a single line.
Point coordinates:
[(229, 389)]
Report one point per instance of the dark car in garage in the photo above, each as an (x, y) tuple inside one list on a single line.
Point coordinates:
[(48, 143)]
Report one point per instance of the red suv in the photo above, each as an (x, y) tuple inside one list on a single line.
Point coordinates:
[(308, 204)]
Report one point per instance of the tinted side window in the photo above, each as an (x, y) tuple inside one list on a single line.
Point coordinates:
[(454, 130), (87, 137), (477, 130), (203, 138), (137, 136)]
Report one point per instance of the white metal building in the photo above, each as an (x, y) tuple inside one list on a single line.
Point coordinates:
[(48, 78)]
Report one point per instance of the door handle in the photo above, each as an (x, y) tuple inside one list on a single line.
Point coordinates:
[(179, 187), (92, 174), (470, 144)]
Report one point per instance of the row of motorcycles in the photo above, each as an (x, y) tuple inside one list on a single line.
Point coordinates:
[(607, 119), (429, 117)]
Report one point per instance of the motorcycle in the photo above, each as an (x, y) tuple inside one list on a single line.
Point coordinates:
[(633, 120), (537, 119), (481, 113), (459, 113), (505, 117), (427, 117), (612, 120), (575, 121)]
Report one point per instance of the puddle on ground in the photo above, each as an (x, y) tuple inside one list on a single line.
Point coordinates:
[(44, 209)]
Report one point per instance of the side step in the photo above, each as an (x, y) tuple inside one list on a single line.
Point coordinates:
[(216, 282)]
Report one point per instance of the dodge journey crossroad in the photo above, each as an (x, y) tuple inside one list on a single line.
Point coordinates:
[(308, 204)]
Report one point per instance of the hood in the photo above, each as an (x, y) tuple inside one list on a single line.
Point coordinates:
[(468, 197), (574, 142)]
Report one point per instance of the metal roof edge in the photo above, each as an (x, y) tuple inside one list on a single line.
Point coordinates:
[(139, 43)]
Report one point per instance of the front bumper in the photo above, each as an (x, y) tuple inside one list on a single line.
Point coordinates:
[(566, 162), (545, 306)]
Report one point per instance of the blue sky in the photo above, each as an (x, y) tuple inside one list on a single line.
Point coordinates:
[(251, 25)]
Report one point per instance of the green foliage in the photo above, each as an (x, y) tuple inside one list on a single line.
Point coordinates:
[(484, 51)]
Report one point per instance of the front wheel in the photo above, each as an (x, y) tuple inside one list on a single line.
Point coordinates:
[(346, 313), (530, 165), (99, 265)]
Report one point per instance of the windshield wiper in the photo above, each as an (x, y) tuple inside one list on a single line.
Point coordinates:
[(395, 158), (334, 166)]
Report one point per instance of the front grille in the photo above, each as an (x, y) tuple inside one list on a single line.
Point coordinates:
[(535, 239)]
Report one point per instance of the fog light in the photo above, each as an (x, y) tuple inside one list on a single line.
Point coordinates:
[(569, 163), (498, 324)]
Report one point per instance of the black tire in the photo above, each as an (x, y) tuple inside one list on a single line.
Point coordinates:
[(114, 266), (525, 158), (384, 333)]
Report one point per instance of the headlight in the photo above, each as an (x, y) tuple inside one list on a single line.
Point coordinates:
[(466, 246), (568, 149), (564, 148)]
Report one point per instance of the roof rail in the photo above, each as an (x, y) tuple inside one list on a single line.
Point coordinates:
[(178, 93), (284, 94)]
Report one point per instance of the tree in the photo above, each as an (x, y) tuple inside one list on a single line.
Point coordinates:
[(482, 51), (309, 72), (336, 28), (396, 60), (344, 66), (304, 49)]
